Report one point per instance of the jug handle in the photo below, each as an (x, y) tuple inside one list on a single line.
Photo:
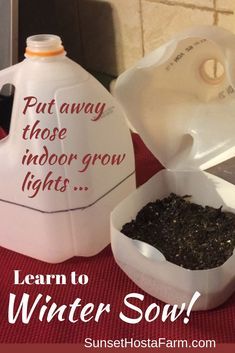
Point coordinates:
[(7, 76)]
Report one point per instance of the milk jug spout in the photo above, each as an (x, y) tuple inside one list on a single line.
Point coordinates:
[(44, 45)]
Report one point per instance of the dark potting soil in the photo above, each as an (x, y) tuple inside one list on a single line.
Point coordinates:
[(187, 234)]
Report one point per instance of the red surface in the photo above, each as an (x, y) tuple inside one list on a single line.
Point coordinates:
[(2, 133), (107, 284)]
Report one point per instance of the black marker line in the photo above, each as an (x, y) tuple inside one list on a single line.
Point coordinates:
[(71, 209)]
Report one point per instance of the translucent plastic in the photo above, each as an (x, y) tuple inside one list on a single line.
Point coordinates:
[(43, 43), (148, 268), (54, 226), (187, 119)]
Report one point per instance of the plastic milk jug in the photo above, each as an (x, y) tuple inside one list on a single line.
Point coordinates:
[(185, 114), (68, 158)]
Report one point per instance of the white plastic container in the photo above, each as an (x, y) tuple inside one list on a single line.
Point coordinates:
[(54, 225), (187, 119)]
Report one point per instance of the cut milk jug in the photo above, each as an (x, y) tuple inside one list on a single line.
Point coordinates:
[(185, 113), (68, 158)]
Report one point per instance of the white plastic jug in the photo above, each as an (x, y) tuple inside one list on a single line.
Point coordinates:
[(186, 117), (68, 158)]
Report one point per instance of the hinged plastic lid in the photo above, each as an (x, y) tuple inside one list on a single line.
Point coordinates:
[(181, 99)]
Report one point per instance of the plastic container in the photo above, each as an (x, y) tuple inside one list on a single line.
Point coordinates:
[(65, 219), (186, 117)]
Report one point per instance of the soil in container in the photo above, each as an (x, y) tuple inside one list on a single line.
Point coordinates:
[(187, 234)]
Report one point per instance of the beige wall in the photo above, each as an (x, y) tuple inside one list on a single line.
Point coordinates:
[(116, 33)]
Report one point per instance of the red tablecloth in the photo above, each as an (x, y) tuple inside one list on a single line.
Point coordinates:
[(107, 284), (2, 133)]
